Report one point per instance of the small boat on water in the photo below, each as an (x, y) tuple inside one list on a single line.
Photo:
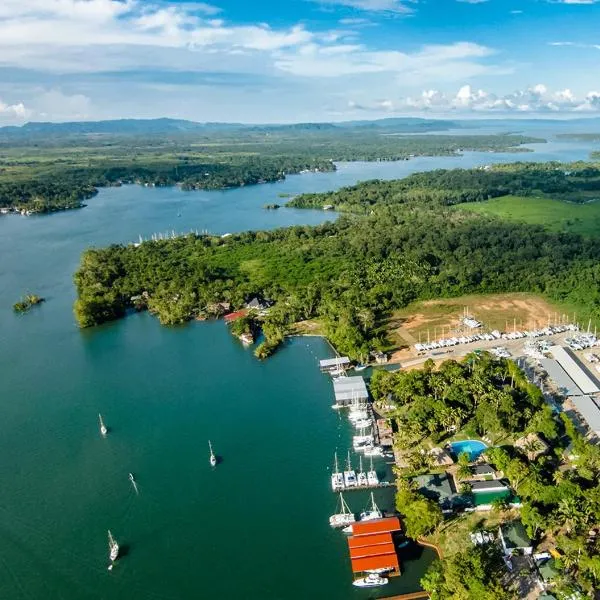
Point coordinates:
[(133, 482), (373, 450), (103, 428), (337, 478), (362, 423), (360, 367), (361, 476), (349, 474), (372, 512), (212, 459), (372, 478), (371, 580), (369, 514), (342, 518), (113, 547)]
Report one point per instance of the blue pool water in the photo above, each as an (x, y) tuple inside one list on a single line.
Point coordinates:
[(474, 448)]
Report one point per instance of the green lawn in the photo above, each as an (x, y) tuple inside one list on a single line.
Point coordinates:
[(553, 214)]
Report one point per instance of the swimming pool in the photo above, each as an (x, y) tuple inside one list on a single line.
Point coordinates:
[(474, 448)]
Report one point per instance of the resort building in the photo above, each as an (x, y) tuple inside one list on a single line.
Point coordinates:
[(483, 472), (514, 538), (532, 445)]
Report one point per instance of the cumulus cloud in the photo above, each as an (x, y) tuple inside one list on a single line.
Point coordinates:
[(13, 113), (537, 99)]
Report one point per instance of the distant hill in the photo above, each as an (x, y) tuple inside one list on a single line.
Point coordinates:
[(166, 126)]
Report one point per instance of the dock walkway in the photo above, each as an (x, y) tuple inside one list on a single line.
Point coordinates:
[(413, 596)]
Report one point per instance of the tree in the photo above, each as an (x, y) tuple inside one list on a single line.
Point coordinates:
[(421, 515)]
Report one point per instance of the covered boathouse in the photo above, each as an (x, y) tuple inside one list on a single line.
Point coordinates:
[(350, 389), (372, 547)]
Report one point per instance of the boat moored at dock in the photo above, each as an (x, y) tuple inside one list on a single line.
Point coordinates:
[(349, 474), (337, 478), (371, 580), (344, 517)]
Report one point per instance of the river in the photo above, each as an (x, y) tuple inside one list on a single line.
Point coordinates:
[(256, 526)]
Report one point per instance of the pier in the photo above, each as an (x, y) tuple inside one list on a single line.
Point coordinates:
[(381, 484), (412, 596)]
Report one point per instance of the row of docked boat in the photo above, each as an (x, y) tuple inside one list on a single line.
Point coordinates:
[(349, 478), (344, 518)]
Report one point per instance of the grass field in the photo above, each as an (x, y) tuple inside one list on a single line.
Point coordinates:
[(442, 318), (556, 215)]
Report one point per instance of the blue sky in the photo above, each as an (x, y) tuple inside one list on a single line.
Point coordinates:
[(297, 60)]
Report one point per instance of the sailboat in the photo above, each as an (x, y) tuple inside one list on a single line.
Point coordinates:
[(344, 517), (372, 478), (361, 475), (113, 547), (337, 478), (213, 459), (133, 482), (103, 429), (372, 513), (349, 474)]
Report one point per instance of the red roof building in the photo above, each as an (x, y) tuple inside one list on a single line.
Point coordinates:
[(372, 547), (235, 315)]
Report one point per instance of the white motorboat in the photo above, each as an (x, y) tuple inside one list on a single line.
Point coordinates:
[(362, 423), (372, 512), (371, 580), (337, 477), (343, 518), (103, 428), (349, 474), (372, 478), (113, 547), (357, 415), (212, 459), (361, 367), (379, 571), (373, 451)]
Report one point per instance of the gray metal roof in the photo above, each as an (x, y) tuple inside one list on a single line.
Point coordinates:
[(565, 384), (334, 362), (589, 410), (349, 388), (486, 486), (484, 469), (567, 361)]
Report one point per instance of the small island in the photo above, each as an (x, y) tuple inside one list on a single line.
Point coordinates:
[(271, 206), (26, 303)]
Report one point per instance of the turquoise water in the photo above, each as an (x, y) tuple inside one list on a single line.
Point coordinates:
[(256, 527), (474, 448)]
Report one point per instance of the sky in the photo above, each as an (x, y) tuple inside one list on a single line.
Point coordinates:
[(262, 61)]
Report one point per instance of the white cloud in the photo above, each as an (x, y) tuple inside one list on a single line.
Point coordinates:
[(13, 113), (389, 6), (434, 62), (537, 99)]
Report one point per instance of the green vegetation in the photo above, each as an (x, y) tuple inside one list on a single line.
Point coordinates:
[(27, 303), (473, 574), (554, 470), (555, 215), (480, 396), (350, 274), (44, 169), (576, 182)]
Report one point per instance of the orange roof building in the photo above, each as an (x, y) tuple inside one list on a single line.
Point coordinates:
[(372, 547), (388, 524)]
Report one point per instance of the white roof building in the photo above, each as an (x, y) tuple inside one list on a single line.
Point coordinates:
[(567, 361)]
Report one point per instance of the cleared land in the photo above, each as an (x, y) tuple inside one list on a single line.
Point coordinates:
[(556, 215), (442, 318)]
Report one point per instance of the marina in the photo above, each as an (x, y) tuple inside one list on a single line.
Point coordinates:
[(163, 392)]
